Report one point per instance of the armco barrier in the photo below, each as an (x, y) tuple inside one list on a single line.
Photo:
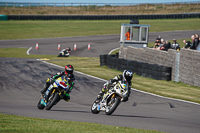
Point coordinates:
[(142, 69), (102, 17)]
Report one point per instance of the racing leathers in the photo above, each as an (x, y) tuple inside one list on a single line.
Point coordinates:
[(71, 79), (107, 86)]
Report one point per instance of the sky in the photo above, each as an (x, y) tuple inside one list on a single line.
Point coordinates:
[(97, 1)]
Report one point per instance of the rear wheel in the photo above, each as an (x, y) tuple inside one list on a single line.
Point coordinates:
[(53, 99), (112, 105)]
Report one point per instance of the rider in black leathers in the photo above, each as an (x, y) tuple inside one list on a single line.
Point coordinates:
[(69, 74), (127, 76)]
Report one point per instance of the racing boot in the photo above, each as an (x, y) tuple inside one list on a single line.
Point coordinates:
[(46, 85), (99, 96)]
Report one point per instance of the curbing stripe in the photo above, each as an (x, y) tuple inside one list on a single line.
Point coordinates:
[(112, 50), (28, 51), (131, 88)]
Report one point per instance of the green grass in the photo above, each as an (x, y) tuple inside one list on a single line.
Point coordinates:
[(55, 28), (19, 124)]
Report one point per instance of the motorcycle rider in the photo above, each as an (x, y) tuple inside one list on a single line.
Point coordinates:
[(127, 76), (68, 73)]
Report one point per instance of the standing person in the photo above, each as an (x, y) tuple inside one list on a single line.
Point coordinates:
[(187, 44), (168, 44), (192, 46), (157, 42), (175, 45), (126, 77), (164, 45), (128, 34), (196, 40), (68, 73)]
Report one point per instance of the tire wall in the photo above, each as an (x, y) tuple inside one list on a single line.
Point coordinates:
[(102, 17), (189, 66), (154, 71)]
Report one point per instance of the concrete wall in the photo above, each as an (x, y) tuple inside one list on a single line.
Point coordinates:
[(189, 66)]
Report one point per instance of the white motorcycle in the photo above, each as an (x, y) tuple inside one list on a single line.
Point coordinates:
[(63, 53), (111, 99)]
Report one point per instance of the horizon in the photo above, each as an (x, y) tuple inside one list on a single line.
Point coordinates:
[(98, 1)]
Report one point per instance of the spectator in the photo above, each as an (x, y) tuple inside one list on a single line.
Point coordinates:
[(196, 40), (168, 44), (187, 44), (175, 45), (165, 45), (192, 46), (162, 43), (157, 42)]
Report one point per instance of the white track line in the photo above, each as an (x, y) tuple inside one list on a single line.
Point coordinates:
[(112, 50), (131, 88), (28, 51)]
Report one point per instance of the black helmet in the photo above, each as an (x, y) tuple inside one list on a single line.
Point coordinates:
[(69, 70), (127, 74)]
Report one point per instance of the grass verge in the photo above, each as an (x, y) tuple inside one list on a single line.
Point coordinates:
[(62, 28), (20, 124)]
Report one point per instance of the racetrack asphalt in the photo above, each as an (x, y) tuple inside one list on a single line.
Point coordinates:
[(22, 79)]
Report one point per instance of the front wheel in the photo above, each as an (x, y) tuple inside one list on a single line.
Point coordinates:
[(39, 105), (113, 104), (53, 99), (94, 108)]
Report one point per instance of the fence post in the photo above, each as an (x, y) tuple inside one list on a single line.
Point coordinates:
[(6, 6), (46, 5), (38, 6), (177, 63), (29, 6), (14, 5)]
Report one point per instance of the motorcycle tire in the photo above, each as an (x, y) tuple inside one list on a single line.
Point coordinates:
[(40, 106), (114, 106), (52, 102), (94, 109)]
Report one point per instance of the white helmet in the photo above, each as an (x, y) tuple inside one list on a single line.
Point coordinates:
[(128, 75)]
